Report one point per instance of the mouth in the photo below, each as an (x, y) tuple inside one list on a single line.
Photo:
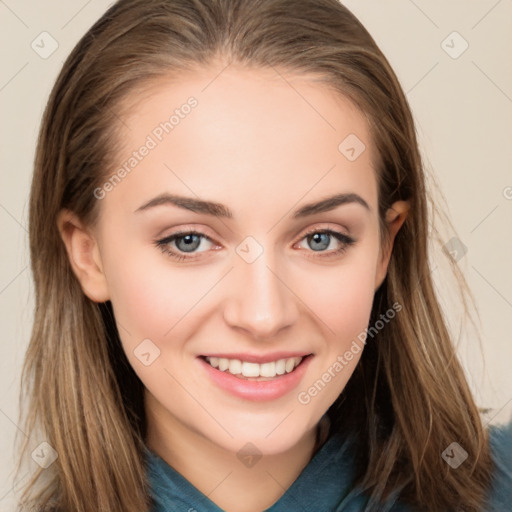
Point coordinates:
[(254, 377), (252, 371)]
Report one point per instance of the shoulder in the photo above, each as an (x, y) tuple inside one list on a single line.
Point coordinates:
[(500, 442)]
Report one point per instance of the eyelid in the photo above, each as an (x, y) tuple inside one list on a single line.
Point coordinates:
[(345, 239), (322, 228), (184, 229), (182, 233), (190, 229)]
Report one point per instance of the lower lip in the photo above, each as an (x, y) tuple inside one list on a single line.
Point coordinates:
[(257, 390)]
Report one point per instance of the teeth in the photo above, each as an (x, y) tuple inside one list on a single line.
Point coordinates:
[(250, 369), (235, 366), (281, 366), (267, 369), (246, 369)]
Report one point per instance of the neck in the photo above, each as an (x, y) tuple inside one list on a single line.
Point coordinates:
[(218, 473)]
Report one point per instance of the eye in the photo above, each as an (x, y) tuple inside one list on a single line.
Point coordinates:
[(179, 244), (183, 245), (321, 239)]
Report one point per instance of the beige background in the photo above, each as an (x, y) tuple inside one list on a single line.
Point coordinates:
[(463, 109)]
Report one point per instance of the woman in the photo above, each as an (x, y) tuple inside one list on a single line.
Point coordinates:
[(228, 231)]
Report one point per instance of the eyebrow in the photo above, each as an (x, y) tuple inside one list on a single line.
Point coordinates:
[(220, 210)]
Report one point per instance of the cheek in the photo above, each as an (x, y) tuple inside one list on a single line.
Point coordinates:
[(147, 300), (152, 302), (156, 300), (342, 298), (140, 300)]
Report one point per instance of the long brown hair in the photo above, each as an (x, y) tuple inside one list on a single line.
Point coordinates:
[(408, 398)]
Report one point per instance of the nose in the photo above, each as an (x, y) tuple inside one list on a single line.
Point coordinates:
[(260, 302)]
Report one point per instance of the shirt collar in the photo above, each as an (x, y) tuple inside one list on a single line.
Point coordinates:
[(331, 465)]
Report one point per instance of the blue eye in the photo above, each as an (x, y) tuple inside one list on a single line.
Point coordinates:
[(190, 242), (179, 244), (319, 241), (184, 241)]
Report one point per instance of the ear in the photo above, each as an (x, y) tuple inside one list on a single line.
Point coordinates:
[(395, 217), (84, 255)]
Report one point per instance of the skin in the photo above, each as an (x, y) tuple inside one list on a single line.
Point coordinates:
[(263, 146)]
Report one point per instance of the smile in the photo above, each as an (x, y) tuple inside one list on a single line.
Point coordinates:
[(267, 380), (246, 369)]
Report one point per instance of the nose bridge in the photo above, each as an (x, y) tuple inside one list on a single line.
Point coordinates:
[(260, 302)]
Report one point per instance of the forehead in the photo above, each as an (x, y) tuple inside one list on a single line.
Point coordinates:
[(252, 133)]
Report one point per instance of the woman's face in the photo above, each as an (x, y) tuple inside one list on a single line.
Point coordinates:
[(267, 275)]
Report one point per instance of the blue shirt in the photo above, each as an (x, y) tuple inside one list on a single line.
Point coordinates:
[(325, 484)]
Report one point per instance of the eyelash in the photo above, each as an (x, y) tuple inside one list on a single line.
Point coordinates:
[(346, 241)]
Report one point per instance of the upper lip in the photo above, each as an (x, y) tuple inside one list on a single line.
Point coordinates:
[(259, 358)]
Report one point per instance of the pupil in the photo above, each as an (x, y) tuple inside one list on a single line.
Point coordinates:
[(316, 238), (190, 243)]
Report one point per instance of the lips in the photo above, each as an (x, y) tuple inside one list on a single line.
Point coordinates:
[(257, 388)]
